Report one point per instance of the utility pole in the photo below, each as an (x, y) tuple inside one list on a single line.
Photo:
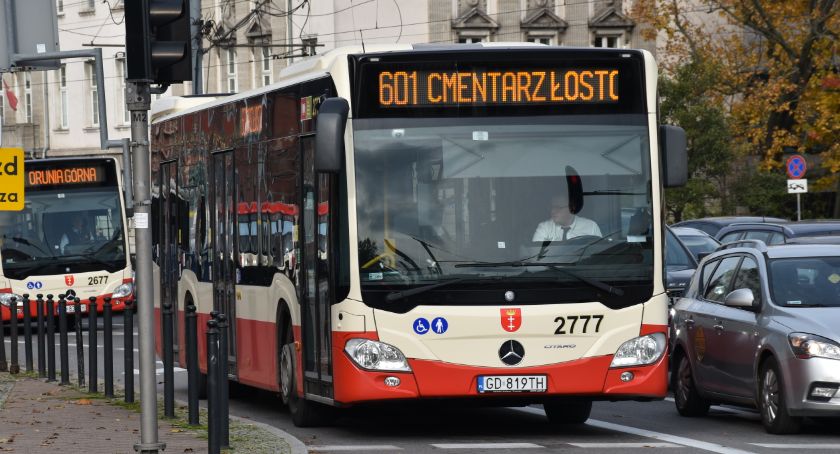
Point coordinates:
[(197, 43), (290, 32), (139, 100)]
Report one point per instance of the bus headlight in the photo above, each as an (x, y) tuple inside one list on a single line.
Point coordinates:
[(640, 351), (374, 355), (6, 299), (123, 290)]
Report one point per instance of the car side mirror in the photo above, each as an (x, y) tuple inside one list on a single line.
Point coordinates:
[(702, 255), (742, 297)]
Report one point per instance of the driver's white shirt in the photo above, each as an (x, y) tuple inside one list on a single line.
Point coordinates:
[(551, 231)]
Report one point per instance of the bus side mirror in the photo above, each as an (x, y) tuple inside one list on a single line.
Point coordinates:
[(673, 146), (575, 187), (329, 134)]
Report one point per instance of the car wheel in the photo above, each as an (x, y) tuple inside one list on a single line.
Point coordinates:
[(287, 370), (686, 397), (564, 412), (772, 401)]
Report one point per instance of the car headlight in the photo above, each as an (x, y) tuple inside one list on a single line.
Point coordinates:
[(806, 346), (640, 351), (123, 290), (373, 355), (6, 299)]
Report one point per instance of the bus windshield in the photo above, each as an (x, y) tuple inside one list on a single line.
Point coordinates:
[(494, 202), (66, 230)]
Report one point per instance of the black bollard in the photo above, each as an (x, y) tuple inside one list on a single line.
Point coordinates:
[(27, 332), (80, 343), (192, 364), (62, 340), (50, 315), (93, 346), (14, 366), (224, 391), (128, 344), (42, 346), (108, 350), (214, 422), (168, 362)]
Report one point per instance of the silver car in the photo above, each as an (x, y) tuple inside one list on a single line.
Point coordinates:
[(760, 326)]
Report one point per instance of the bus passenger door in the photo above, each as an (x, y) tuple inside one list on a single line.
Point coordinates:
[(223, 220), (317, 293), (170, 269)]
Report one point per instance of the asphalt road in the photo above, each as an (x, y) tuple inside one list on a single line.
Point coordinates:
[(615, 427)]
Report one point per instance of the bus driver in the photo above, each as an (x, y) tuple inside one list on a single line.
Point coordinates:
[(563, 224)]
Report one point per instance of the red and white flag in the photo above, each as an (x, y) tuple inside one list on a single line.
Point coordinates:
[(10, 95)]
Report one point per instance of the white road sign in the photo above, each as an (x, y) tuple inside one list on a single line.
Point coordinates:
[(797, 186)]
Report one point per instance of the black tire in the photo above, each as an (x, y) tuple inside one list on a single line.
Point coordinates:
[(567, 412), (686, 397), (772, 402), (287, 368), (305, 413)]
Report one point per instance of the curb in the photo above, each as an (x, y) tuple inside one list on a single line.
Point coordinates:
[(296, 446)]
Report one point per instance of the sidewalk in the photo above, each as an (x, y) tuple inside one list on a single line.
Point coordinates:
[(41, 417)]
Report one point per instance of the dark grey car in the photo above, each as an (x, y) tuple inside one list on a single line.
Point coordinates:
[(760, 326)]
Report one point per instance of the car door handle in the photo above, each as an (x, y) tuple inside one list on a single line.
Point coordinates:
[(689, 323), (718, 327)]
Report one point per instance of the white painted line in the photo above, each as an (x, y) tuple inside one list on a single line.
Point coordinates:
[(735, 411), (354, 448), (486, 445), (626, 445), (690, 442), (795, 446)]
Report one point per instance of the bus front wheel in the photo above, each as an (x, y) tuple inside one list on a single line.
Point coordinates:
[(572, 411), (305, 413)]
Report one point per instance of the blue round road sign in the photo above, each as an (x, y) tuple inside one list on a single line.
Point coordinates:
[(796, 166)]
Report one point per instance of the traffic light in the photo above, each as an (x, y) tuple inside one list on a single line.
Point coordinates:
[(157, 41)]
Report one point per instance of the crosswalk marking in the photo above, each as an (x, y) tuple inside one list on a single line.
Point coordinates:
[(363, 448), (486, 445), (626, 445)]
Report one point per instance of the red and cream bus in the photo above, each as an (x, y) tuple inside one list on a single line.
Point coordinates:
[(420, 177), (70, 238)]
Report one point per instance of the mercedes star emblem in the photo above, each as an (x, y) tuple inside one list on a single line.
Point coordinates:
[(511, 352)]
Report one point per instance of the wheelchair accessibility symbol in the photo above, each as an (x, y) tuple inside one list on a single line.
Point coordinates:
[(421, 326)]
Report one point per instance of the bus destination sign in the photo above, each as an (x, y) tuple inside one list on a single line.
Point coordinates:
[(65, 176), (401, 89)]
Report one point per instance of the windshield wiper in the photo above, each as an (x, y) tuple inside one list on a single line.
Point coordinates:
[(554, 266), (90, 257), (396, 296), (26, 242)]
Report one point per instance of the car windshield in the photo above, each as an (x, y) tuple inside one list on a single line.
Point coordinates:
[(77, 229), (806, 282), (492, 199), (699, 244)]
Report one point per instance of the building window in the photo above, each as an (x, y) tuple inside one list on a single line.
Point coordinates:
[(125, 118), (27, 96), (548, 41), (59, 6), (612, 41), (472, 39), (232, 85), (93, 91), (90, 5), (62, 94), (265, 66)]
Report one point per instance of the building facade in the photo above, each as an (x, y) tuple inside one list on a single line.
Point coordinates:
[(247, 42)]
